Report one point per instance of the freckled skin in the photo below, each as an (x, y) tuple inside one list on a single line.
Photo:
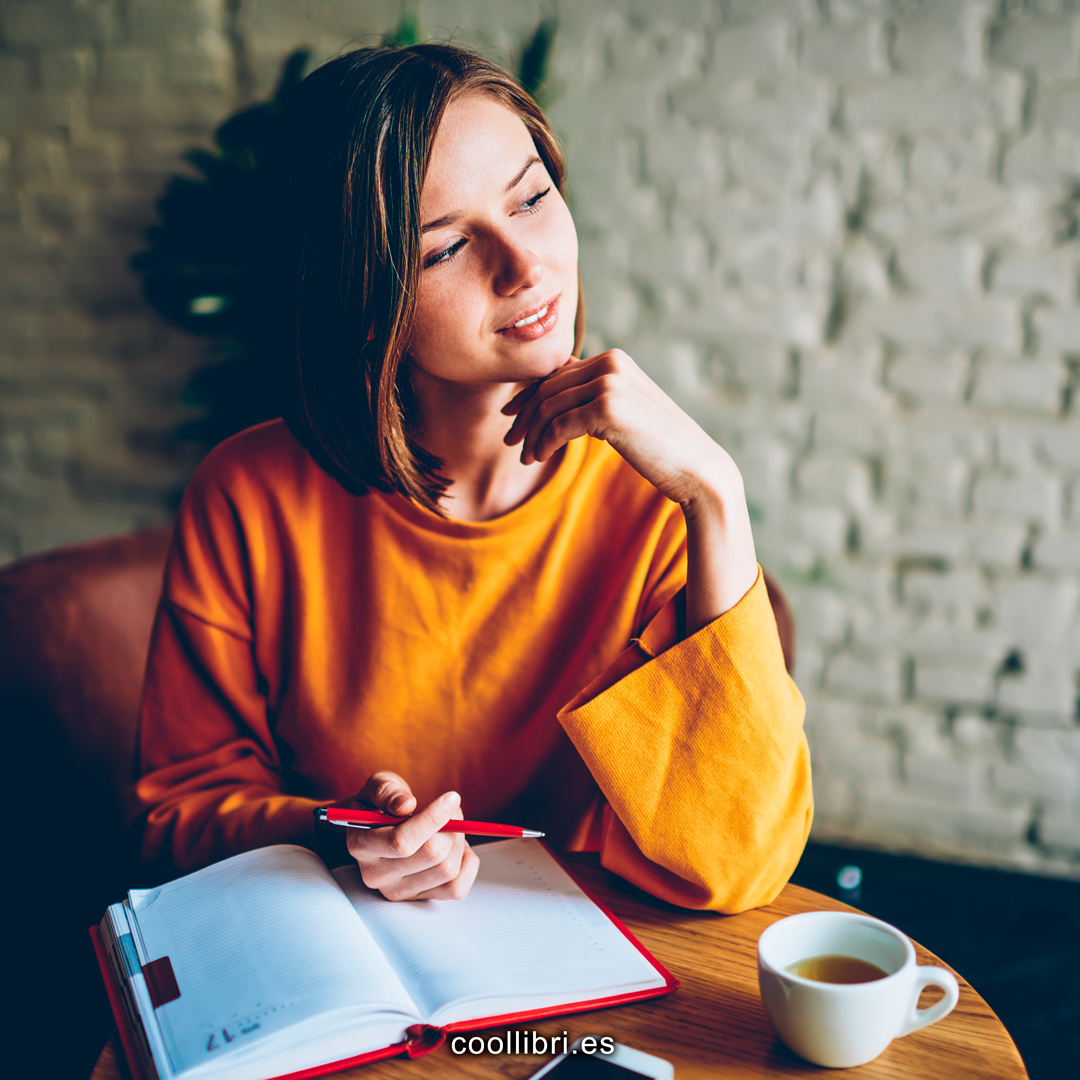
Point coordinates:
[(508, 253)]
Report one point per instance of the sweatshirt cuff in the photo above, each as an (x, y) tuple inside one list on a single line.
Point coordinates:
[(732, 667), (739, 632)]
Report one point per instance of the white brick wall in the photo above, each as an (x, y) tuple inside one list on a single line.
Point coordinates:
[(845, 234)]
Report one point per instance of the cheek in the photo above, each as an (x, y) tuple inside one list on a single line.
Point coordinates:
[(565, 239), (438, 315), (572, 230)]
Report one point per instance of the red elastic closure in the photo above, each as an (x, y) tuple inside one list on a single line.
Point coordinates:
[(422, 1039)]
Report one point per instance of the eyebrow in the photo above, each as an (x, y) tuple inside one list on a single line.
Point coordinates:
[(454, 215), (438, 223), (517, 179)]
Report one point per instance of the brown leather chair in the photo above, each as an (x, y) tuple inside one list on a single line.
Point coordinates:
[(785, 620), (74, 633)]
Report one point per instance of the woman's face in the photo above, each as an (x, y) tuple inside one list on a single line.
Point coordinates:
[(498, 279)]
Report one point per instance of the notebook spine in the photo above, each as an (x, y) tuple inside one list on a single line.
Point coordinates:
[(135, 1053)]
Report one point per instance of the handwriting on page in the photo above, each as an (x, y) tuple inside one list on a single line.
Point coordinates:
[(225, 1036)]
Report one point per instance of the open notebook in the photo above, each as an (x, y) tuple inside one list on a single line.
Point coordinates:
[(270, 965)]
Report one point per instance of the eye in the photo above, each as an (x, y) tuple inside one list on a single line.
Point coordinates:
[(530, 206), (446, 255)]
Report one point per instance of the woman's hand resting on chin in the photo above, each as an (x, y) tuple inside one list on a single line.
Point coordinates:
[(609, 397), (413, 860)]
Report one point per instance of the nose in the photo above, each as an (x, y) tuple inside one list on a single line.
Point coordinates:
[(516, 267)]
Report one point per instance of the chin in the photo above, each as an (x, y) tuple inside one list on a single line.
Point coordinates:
[(548, 366), (555, 353)]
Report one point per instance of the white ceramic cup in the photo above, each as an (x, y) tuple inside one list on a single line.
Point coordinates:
[(844, 1024)]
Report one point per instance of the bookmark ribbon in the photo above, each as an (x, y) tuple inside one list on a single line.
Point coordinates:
[(160, 982)]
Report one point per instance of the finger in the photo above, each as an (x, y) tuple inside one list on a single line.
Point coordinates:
[(386, 791), (523, 410), (407, 886), (563, 429), (548, 414), (519, 399), (569, 375), (379, 858), (457, 888), (384, 873), (573, 374), (404, 840), (369, 848)]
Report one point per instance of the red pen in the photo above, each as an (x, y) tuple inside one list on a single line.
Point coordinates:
[(373, 819)]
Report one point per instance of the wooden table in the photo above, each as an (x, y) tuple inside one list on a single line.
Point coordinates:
[(715, 1025)]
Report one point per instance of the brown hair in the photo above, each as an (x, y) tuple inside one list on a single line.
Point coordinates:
[(347, 169)]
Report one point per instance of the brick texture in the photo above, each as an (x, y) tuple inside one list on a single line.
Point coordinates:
[(844, 235)]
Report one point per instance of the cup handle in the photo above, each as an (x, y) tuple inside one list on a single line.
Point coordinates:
[(931, 976)]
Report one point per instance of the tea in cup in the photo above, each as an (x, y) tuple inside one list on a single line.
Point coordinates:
[(838, 987)]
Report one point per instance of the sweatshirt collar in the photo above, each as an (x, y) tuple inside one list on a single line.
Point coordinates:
[(539, 507)]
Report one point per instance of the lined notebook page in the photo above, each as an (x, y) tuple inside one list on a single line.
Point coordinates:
[(258, 943), (525, 936)]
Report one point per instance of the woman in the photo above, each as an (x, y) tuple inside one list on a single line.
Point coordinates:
[(399, 591)]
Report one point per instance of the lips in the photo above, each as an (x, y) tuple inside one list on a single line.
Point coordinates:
[(530, 319), (533, 322)]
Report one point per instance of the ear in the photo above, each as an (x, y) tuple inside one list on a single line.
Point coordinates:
[(579, 319)]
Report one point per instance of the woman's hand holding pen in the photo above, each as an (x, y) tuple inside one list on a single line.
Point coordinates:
[(609, 397), (413, 860)]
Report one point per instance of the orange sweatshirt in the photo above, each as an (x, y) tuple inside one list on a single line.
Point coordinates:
[(307, 638)]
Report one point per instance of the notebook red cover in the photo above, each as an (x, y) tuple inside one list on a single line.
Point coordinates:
[(423, 1038)]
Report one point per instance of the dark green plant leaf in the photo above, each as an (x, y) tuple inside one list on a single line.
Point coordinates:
[(536, 58), (407, 32)]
